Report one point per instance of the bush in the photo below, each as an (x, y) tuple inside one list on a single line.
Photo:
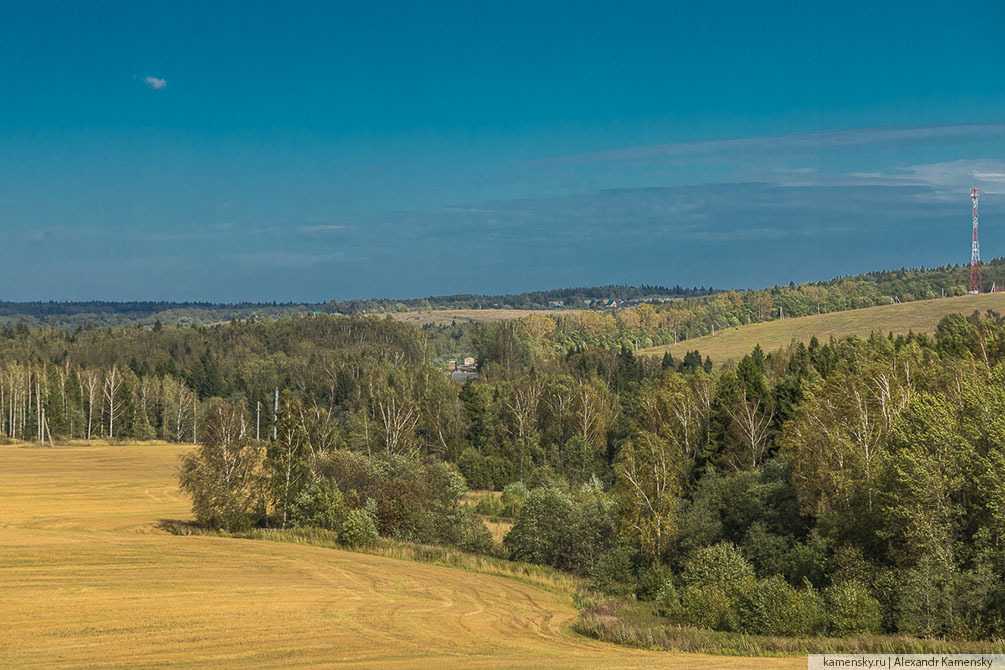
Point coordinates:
[(774, 607), (489, 505), (716, 579), (541, 531), (721, 566), (319, 505), (474, 536), (851, 610), (397, 508), (592, 533), (545, 477), (513, 497), (355, 473), (613, 573), (766, 551), (652, 581), (708, 606), (463, 528), (667, 602), (484, 472), (358, 529)]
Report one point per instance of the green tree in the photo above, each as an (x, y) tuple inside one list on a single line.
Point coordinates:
[(650, 472), (224, 474)]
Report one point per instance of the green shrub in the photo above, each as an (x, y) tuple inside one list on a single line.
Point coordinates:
[(358, 529), (502, 471), (721, 566), (667, 602), (652, 581), (774, 607), (541, 531), (851, 609), (716, 581), (475, 468), (513, 497), (475, 537), (613, 572), (593, 532), (489, 505), (397, 509), (545, 477), (708, 606), (318, 505)]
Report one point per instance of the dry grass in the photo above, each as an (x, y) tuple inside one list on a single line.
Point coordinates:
[(88, 579), (634, 624), (443, 317), (499, 529), (921, 317)]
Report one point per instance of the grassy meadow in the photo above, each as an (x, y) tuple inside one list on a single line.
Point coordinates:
[(921, 316), (89, 578)]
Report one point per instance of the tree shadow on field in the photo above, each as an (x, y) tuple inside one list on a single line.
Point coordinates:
[(179, 527)]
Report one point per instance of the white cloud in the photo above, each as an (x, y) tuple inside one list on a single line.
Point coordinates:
[(156, 83), (989, 176)]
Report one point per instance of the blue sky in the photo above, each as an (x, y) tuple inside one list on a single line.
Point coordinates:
[(299, 151)]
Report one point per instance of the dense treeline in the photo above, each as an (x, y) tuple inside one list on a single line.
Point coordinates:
[(577, 297), (87, 314), (100, 313), (843, 487), (692, 311), (153, 382)]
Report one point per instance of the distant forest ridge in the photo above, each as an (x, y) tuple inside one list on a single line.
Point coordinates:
[(114, 313), (578, 297), (873, 288)]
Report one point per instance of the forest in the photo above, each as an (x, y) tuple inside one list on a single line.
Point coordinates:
[(845, 487), (684, 312)]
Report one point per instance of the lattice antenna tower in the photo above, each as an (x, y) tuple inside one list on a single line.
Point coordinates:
[(976, 285)]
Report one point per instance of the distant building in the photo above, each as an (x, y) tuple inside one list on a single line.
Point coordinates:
[(469, 361), (451, 365)]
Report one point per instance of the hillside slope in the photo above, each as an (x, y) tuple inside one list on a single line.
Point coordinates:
[(920, 317), (87, 580)]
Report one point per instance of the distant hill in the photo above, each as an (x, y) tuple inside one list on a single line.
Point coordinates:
[(701, 308), (921, 316), (71, 315), (578, 297)]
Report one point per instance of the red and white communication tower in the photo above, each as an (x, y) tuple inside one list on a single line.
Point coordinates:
[(975, 252)]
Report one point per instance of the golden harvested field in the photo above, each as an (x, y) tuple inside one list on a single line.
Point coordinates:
[(88, 580), (921, 317), (443, 317)]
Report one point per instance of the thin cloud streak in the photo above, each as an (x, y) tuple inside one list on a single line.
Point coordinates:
[(827, 139)]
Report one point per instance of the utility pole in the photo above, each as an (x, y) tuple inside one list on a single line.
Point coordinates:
[(258, 422)]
